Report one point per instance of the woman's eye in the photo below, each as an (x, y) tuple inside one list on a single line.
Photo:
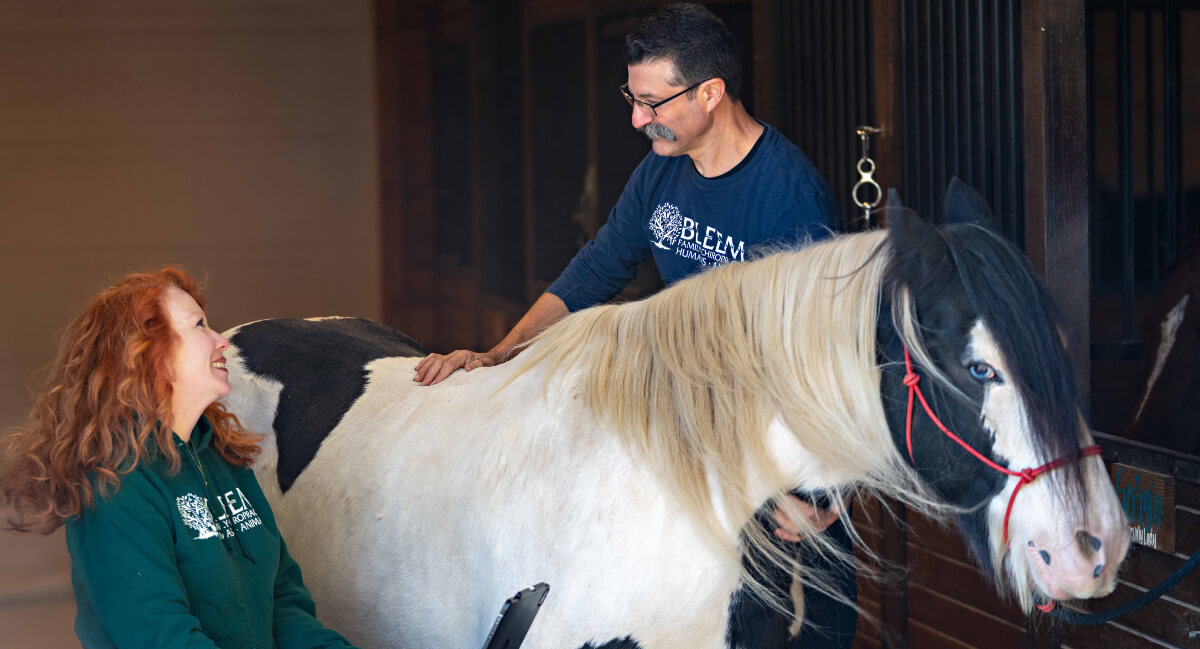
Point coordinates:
[(982, 372)]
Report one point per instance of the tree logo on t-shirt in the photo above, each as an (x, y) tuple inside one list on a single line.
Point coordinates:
[(194, 511), (664, 224)]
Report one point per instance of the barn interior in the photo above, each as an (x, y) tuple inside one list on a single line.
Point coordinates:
[(433, 165)]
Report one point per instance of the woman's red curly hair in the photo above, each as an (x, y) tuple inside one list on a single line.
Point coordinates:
[(98, 415)]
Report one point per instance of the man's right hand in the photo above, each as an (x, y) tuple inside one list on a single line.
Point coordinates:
[(434, 368), (547, 310)]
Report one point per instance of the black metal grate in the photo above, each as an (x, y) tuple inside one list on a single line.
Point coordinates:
[(825, 82), (960, 104), (1138, 188), (958, 97)]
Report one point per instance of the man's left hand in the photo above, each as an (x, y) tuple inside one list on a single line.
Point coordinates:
[(818, 517)]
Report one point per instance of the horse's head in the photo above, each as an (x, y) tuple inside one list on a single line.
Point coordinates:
[(988, 357)]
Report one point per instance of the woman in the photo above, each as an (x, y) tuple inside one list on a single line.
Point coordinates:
[(172, 542)]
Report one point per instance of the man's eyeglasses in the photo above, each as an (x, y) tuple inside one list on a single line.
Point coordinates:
[(634, 102)]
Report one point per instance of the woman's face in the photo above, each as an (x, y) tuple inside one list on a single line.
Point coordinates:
[(198, 365)]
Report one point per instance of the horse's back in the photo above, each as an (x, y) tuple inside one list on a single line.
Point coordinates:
[(299, 378), (284, 344)]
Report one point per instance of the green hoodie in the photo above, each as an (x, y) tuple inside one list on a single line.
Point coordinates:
[(152, 568)]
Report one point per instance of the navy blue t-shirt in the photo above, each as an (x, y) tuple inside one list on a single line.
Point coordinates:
[(689, 222)]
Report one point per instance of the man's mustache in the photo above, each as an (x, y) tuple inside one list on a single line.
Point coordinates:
[(656, 131)]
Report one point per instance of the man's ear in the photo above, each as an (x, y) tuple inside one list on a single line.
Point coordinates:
[(710, 92)]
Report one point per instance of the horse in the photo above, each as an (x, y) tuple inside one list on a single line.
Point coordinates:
[(622, 456)]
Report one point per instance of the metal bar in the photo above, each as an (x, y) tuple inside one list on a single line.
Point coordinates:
[(1125, 164), (952, 93), (821, 78), (853, 115), (937, 109), (908, 111), (1172, 131), (812, 143), (966, 163), (1151, 212), (996, 108), (1093, 263), (786, 73), (833, 100), (983, 177), (861, 46), (840, 90), (867, 83), (1016, 172), (852, 32), (804, 78), (931, 166)]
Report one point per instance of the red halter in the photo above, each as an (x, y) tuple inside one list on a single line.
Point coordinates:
[(911, 379)]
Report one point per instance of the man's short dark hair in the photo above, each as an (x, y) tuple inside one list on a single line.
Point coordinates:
[(694, 39)]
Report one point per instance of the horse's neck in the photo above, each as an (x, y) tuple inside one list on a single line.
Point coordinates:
[(584, 441)]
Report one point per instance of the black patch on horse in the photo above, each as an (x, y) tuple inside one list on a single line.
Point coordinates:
[(624, 643), (322, 366)]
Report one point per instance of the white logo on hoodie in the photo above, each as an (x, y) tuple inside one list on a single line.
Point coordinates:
[(194, 511)]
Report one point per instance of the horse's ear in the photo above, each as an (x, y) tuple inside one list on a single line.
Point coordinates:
[(964, 204), (918, 248)]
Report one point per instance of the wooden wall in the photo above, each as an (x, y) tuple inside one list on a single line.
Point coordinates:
[(234, 138), (509, 146)]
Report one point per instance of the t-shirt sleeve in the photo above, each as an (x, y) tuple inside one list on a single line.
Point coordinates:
[(606, 264), (123, 568), (828, 214), (816, 214)]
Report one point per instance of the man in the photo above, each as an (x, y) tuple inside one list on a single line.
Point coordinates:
[(717, 183)]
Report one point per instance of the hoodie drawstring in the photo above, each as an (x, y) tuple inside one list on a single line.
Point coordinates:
[(197, 468)]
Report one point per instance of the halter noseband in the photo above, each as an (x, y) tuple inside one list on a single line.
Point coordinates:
[(911, 378)]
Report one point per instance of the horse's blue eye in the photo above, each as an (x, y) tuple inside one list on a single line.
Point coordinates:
[(982, 372)]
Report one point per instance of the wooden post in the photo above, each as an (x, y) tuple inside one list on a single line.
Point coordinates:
[(1054, 41), (404, 84)]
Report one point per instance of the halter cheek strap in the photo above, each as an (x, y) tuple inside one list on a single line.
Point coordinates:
[(911, 379)]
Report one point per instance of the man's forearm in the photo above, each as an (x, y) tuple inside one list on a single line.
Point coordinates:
[(547, 310)]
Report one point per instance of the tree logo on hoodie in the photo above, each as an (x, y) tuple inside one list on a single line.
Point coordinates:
[(194, 511), (664, 224)]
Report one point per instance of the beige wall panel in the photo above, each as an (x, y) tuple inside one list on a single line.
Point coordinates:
[(234, 138)]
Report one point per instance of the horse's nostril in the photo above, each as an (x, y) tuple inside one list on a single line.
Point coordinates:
[(1099, 569), (1086, 540), (1045, 556)]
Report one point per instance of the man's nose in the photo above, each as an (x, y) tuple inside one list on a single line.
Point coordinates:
[(641, 116)]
